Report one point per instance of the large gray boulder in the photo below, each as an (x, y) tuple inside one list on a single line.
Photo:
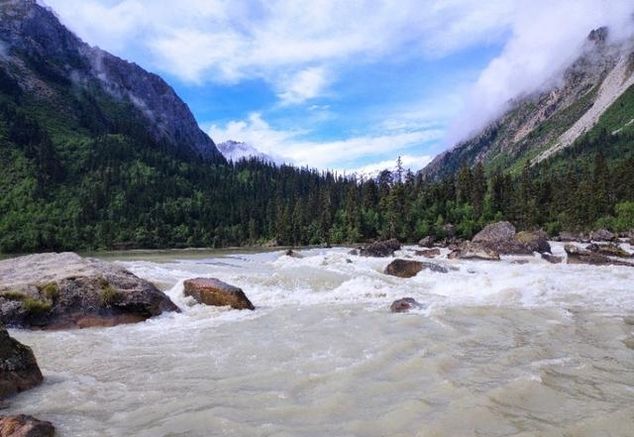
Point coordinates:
[(502, 238), (65, 290), (381, 248), (25, 426), (18, 369), (212, 291)]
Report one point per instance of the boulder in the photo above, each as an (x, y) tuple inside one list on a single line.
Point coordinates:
[(381, 248), (608, 250), (536, 241), (404, 305), (429, 253), (65, 290), (18, 369), (602, 235), (571, 237), (495, 233), (407, 268), (428, 241), (353, 252), (25, 426), (476, 251), (212, 291), (577, 255), (552, 258)]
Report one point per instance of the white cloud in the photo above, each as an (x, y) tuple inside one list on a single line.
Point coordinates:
[(227, 41), (305, 85), (291, 145), (546, 37)]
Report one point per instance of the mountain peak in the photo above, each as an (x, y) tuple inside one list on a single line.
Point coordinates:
[(40, 49), (599, 35)]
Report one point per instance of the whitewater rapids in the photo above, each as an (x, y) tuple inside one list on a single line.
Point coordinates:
[(500, 349)]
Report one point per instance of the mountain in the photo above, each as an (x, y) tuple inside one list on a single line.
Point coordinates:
[(237, 150), (90, 89), (596, 93)]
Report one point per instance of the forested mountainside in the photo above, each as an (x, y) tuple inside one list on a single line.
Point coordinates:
[(80, 91), (114, 159), (539, 126)]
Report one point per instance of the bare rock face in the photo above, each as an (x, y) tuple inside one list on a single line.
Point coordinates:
[(18, 369), (25, 426), (474, 251), (577, 255), (602, 235), (64, 291), (211, 291), (404, 305), (381, 248), (403, 268)]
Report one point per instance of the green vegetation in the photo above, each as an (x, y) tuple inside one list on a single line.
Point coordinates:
[(13, 295), (109, 295), (36, 306), (50, 290), (80, 172)]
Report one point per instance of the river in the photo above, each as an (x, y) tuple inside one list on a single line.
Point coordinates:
[(500, 349)]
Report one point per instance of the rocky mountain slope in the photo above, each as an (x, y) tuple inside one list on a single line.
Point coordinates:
[(541, 125), (55, 69)]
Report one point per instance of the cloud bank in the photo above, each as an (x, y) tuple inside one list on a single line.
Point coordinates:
[(547, 36)]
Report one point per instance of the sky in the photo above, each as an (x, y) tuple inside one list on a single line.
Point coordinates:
[(348, 85)]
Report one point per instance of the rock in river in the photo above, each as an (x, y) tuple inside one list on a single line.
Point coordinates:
[(18, 369), (476, 251), (381, 248), (501, 237), (212, 291), (403, 268), (25, 426), (404, 305), (577, 255), (64, 290)]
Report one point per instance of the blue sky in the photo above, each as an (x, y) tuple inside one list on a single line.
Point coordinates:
[(346, 84)]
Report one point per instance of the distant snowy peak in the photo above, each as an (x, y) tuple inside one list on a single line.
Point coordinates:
[(236, 150)]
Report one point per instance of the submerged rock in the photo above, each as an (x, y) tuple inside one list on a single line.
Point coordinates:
[(381, 248), (293, 254), (407, 268), (477, 251), (577, 255), (64, 290), (552, 258), (602, 235), (405, 305), (18, 368), (25, 426), (212, 291), (429, 253)]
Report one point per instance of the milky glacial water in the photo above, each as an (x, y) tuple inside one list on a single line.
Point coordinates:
[(502, 349)]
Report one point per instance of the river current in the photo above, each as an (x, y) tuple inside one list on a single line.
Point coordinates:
[(501, 349)]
